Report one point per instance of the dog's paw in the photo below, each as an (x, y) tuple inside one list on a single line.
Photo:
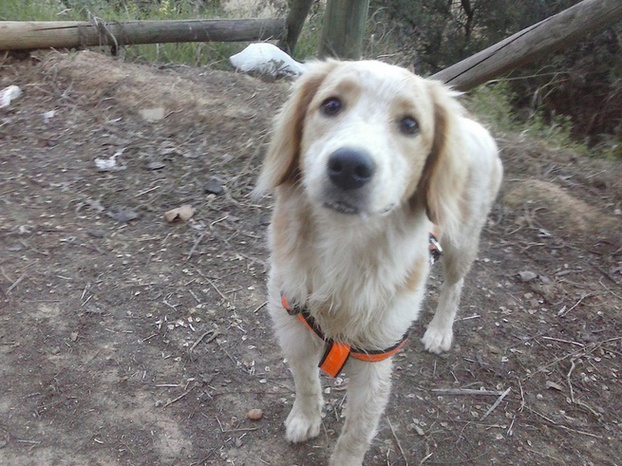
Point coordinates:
[(340, 458), (301, 426), (436, 339)]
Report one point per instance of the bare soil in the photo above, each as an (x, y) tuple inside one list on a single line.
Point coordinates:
[(127, 340)]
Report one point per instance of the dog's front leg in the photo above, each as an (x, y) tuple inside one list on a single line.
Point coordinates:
[(302, 350), (368, 392)]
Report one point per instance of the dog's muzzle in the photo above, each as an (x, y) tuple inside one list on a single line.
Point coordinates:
[(349, 171)]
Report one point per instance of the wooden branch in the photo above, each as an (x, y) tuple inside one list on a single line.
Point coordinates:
[(298, 12), (29, 35), (554, 33)]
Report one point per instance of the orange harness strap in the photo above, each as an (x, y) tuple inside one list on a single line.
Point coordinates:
[(336, 354)]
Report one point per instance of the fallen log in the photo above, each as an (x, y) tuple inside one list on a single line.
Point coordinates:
[(29, 35), (554, 33)]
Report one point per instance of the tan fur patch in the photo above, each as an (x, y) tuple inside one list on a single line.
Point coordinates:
[(432, 161), (303, 97)]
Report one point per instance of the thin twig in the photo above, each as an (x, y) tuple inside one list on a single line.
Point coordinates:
[(426, 457), (203, 460), (561, 426), (609, 290), (174, 400), (195, 245), (259, 307), (194, 296), (142, 193), (564, 341), (397, 440), (17, 282), (563, 312), (496, 403), (586, 350), (510, 432), (522, 396), (245, 429), (466, 391), (217, 290), (214, 334), (572, 366)]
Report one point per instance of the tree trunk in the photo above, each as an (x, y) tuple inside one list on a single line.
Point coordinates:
[(298, 12), (343, 30)]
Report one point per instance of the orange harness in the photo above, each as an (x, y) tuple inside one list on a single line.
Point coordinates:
[(336, 353)]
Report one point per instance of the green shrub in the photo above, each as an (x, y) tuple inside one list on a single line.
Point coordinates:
[(492, 103)]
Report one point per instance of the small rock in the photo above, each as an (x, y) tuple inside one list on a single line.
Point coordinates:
[(153, 114), (255, 414), (214, 186), (122, 214), (527, 276), (95, 233), (556, 386)]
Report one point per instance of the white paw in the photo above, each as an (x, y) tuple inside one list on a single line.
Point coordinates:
[(301, 426), (344, 459), (436, 339)]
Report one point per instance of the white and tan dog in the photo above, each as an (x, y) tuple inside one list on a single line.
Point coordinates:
[(365, 160)]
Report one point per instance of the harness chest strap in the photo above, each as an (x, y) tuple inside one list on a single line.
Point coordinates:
[(336, 353)]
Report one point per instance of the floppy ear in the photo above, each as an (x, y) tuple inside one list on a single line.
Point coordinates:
[(281, 164), (446, 170)]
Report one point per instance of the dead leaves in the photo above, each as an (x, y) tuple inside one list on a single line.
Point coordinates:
[(183, 214)]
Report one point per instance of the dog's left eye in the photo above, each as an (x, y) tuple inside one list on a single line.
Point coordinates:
[(409, 126)]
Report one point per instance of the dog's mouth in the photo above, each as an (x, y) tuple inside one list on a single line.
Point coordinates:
[(346, 208), (342, 207)]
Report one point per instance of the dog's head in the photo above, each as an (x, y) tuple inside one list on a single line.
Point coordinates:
[(363, 138)]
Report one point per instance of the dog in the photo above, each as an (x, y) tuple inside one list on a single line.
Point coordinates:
[(365, 160)]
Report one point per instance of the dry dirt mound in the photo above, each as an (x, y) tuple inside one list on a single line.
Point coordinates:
[(203, 97), (562, 212), (126, 340)]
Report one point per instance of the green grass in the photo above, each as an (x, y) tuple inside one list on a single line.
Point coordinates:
[(492, 103), (32, 10), (215, 54)]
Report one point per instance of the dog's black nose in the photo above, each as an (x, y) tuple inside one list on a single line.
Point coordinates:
[(350, 168)]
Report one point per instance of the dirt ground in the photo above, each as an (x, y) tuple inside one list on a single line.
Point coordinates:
[(127, 340)]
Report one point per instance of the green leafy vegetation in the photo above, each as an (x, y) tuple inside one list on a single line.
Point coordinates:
[(492, 104), (214, 54)]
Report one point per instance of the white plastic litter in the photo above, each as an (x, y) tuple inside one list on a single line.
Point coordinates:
[(266, 59), (47, 116), (8, 94), (110, 164)]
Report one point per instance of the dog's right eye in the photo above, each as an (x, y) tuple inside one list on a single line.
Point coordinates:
[(331, 106)]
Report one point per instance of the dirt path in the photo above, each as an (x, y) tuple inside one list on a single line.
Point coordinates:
[(125, 340)]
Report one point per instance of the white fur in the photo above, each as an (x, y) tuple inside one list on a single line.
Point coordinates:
[(362, 275)]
